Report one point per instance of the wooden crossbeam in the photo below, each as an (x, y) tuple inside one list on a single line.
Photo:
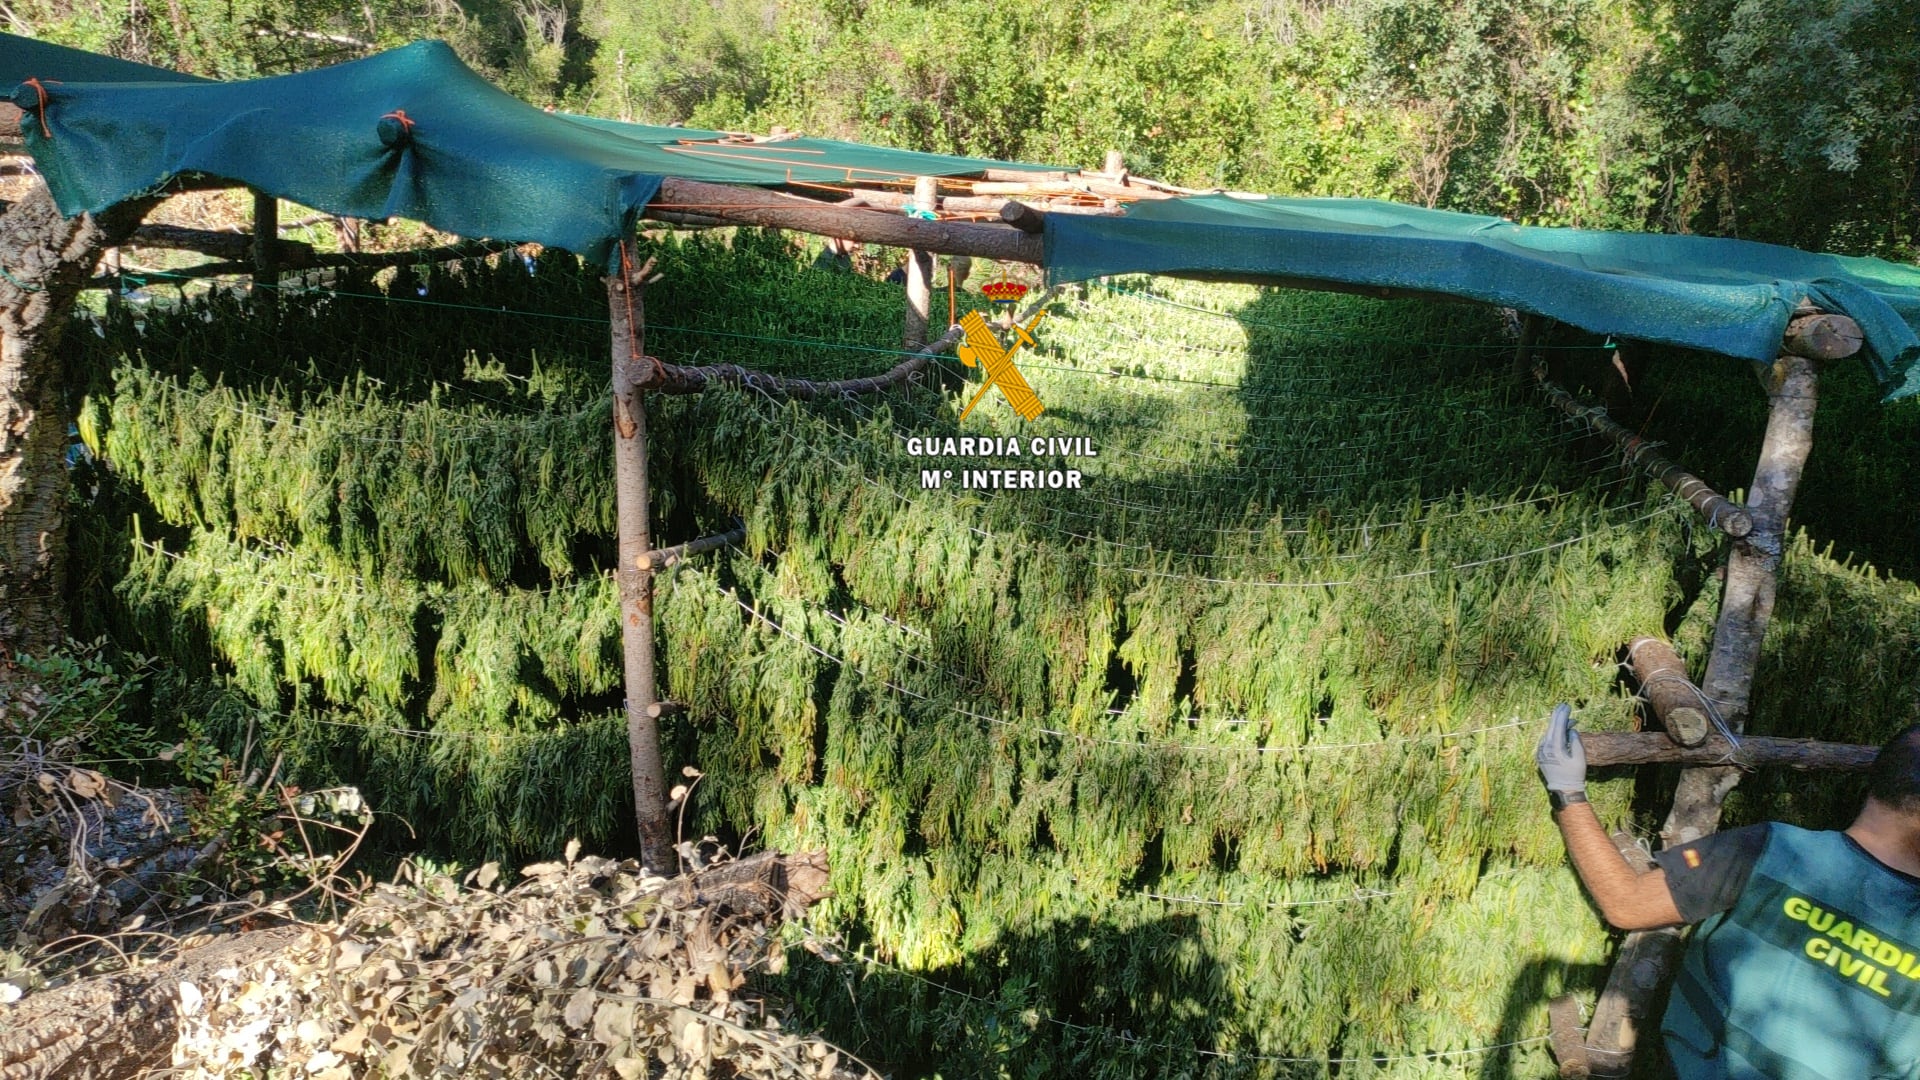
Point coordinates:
[(753, 206), (1721, 512), (662, 558), (1606, 749)]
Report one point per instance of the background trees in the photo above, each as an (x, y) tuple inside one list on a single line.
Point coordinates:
[(1792, 122)]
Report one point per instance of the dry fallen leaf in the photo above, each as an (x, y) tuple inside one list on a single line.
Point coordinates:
[(579, 1008)]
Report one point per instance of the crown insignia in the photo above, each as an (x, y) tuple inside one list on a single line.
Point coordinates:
[(1004, 293)]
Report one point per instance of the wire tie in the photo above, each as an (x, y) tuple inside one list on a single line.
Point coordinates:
[(21, 285)]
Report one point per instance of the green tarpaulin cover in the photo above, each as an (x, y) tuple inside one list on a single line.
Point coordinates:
[(414, 133), (1726, 296), (411, 133)]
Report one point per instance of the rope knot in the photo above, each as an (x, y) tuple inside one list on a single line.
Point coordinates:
[(40, 103)]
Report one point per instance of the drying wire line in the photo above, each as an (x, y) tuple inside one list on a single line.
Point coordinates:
[(859, 470), (1360, 895), (1127, 507), (1154, 298), (1020, 728), (1253, 390), (1131, 1039), (1405, 576)]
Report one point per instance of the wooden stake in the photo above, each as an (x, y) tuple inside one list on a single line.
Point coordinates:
[(1822, 336), (1676, 702), (1567, 1037), (1531, 328), (627, 313), (1115, 165), (266, 252), (913, 329), (1746, 606)]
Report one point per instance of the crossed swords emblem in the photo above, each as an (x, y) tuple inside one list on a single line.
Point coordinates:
[(982, 349)]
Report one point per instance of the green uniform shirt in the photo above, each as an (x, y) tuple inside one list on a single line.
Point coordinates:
[(1806, 967)]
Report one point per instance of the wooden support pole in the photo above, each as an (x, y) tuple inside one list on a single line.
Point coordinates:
[(1608, 749), (913, 327), (266, 254), (110, 267), (753, 206), (1679, 705), (1624, 1008), (47, 257), (665, 557), (1721, 512), (1746, 606), (1532, 328), (231, 246), (625, 308), (1115, 165)]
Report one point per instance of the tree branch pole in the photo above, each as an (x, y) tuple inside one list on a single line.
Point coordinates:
[(753, 206), (913, 330), (650, 374), (627, 312), (1721, 512), (1632, 987), (1609, 749), (665, 557), (1746, 606)]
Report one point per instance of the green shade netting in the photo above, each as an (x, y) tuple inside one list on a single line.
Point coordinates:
[(468, 158), (24, 58), (473, 160), (1725, 296)]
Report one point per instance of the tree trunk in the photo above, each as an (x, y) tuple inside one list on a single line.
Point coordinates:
[(625, 308), (46, 259)]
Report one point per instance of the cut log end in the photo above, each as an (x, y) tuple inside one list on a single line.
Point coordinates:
[(1023, 217), (1823, 336)]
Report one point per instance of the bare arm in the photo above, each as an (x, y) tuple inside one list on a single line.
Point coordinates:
[(1628, 898)]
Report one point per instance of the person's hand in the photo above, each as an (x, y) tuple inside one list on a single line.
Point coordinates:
[(1562, 760)]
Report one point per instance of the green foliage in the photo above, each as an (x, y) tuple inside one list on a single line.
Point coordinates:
[(81, 697), (1230, 750)]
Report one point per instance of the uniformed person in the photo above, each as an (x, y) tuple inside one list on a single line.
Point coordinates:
[(1806, 962)]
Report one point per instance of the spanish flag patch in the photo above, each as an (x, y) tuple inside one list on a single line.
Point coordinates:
[(1692, 857)]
